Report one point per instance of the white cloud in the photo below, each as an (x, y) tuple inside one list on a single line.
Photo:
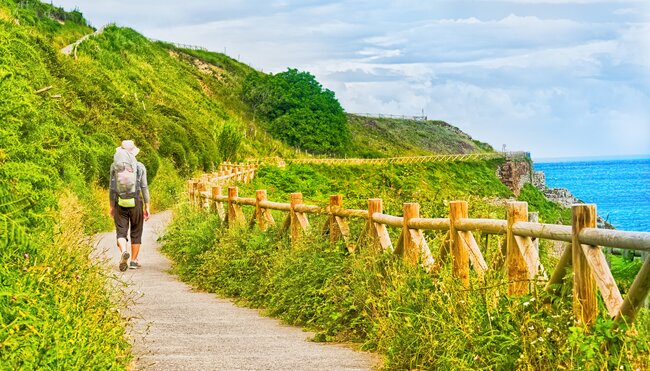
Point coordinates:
[(535, 75)]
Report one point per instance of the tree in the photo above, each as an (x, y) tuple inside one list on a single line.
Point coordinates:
[(298, 110)]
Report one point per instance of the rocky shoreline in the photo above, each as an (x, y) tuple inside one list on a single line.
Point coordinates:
[(515, 174), (562, 196)]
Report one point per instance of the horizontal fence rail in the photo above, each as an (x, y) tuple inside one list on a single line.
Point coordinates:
[(389, 116), (398, 160), (394, 160), (591, 274)]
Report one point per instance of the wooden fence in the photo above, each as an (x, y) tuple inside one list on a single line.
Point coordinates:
[(388, 116), (582, 252), (520, 156), (398, 160)]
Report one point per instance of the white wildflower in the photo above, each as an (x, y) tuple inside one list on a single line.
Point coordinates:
[(548, 330)]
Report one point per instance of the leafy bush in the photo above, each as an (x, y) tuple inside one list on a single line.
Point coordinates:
[(167, 188), (550, 212), (229, 142), (414, 319), (299, 111), (57, 310)]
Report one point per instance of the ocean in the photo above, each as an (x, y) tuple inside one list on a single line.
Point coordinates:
[(619, 188)]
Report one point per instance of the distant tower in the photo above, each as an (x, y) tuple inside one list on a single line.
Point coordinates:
[(503, 148)]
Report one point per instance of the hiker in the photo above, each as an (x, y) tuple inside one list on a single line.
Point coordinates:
[(128, 191)]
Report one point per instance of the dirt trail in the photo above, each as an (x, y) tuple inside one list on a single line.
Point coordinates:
[(177, 328)]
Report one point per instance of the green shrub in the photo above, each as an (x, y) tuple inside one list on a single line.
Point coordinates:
[(58, 310), (229, 141), (414, 319), (299, 111), (167, 189)]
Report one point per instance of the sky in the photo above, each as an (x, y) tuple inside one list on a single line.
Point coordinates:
[(555, 78)]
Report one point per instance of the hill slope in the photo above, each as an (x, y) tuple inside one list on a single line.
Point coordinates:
[(61, 119), (389, 137)]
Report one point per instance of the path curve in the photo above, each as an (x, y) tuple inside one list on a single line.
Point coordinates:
[(177, 328), (69, 49)]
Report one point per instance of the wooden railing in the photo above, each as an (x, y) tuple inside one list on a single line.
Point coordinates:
[(389, 116), (395, 160), (398, 160), (582, 252)]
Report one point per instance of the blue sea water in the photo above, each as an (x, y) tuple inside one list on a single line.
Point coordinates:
[(619, 188)]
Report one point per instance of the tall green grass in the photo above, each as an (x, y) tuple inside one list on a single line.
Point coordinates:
[(386, 137), (57, 310), (414, 319)]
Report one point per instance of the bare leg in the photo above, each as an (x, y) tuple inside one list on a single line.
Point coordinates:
[(135, 249), (124, 254), (121, 244)]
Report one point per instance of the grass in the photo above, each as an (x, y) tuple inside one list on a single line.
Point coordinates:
[(433, 185), (415, 320), (385, 137), (57, 309)]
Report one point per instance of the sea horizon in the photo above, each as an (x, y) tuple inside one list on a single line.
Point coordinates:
[(594, 158), (619, 187)]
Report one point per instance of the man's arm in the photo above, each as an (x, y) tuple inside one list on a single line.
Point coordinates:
[(144, 187), (112, 192)]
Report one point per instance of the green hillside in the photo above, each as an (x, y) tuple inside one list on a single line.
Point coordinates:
[(390, 137), (414, 319), (62, 116)]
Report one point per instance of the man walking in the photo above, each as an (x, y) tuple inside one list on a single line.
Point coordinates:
[(129, 199)]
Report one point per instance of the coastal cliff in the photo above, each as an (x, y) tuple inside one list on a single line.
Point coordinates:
[(515, 173)]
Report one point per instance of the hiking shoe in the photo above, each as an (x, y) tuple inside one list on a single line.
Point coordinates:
[(134, 265), (124, 261)]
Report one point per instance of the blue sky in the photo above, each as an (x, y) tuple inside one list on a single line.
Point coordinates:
[(556, 78)]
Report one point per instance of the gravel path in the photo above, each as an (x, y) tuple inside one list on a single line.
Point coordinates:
[(176, 328)]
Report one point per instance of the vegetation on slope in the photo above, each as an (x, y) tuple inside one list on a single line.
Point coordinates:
[(430, 184), (298, 110), (56, 308), (62, 118), (418, 321), (390, 137)]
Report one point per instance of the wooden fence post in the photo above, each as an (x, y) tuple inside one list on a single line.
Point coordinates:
[(585, 305), (377, 232), (336, 226), (203, 199), (336, 201), (190, 190), (263, 216), (298, 220), (636, 294), (411, 248), (235, 214), (218, 206), (515, 262), (459, 255), (240, 173)]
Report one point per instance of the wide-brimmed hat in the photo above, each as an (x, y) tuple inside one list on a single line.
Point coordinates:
[(130, 146)]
